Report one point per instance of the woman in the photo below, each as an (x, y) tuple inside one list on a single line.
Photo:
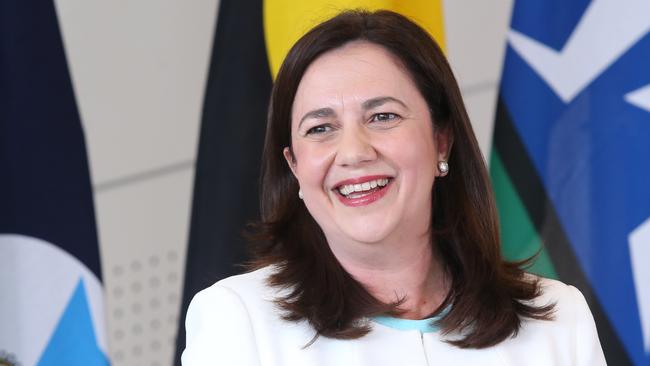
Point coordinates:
[(379, 242)]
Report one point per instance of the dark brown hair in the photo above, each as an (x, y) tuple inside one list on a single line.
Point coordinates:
[(488, 296)]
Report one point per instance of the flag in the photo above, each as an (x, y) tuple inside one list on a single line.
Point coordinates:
[(232, 131), (251, 40), (570, 163), (51, 305)]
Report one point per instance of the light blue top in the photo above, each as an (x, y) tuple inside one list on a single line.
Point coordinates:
[(423, 325)]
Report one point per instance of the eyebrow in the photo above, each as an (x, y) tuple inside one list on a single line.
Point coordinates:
[(366, 105), (376, 102), (317, 113)]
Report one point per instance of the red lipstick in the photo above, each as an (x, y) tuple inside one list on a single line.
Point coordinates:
[(357, 199), (361, 180)]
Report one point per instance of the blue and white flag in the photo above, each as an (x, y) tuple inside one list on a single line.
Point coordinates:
[(51, 300), (571, 159)]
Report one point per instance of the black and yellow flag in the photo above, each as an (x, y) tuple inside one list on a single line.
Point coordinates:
[(251, 40)]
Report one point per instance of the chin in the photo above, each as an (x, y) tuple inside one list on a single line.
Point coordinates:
[(366, 233)]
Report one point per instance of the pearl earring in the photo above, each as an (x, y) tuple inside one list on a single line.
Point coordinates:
[(443, 167), (300, 195)]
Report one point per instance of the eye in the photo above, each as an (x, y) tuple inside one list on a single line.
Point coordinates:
[(384, 117), (317, 130)]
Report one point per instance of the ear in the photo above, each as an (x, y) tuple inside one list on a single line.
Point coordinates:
[(444, 140), (291, 161)]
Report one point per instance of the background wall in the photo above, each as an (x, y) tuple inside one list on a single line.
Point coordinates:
[(139, 69)]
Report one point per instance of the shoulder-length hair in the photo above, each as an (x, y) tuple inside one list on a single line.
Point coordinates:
[(488, 296)]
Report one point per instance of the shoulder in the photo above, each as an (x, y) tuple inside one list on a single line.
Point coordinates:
[(219, 324), (570, 337), (554, 291), (235, 293), (571, 308), (232, 293), (246, 284)]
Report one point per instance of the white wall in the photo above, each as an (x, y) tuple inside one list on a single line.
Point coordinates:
[(476, 44), (139, 70)]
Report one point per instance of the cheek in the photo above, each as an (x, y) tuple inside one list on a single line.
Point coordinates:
[(312, 165), (412, 150), (415, 157)]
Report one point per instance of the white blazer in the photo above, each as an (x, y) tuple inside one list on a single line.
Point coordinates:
[(235, 322)]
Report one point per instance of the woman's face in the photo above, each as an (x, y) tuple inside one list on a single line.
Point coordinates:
[(365, 150)]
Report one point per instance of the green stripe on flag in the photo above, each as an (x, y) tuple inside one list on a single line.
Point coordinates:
[(519, 239)]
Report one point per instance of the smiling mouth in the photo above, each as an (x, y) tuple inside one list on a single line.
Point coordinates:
[(360, 189), (355, 193)]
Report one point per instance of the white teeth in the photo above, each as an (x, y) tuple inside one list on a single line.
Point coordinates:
[(366, 186)]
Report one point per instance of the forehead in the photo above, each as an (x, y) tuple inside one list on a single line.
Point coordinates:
[(352, 73)]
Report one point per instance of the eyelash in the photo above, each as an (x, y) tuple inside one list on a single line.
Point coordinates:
[(391, 117), (323, 128), (320, 129)]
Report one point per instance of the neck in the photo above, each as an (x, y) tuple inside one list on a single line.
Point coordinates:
[(395, 271)]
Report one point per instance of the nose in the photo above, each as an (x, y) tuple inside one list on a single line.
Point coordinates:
[(355, 147)]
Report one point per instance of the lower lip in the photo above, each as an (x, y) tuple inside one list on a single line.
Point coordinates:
[(366, 199)]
